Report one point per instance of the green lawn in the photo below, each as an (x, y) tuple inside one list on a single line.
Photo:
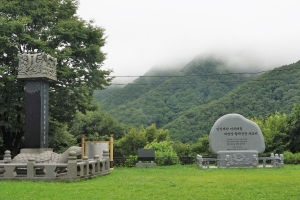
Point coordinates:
[(167, 182)]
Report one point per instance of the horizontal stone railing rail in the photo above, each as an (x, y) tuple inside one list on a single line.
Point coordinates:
[(275, 161), (73, 170)]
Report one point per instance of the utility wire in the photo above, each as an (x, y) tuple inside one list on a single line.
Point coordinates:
[(205, 75), (188, 83), (216, 74)]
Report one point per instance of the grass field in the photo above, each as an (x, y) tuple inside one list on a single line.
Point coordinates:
[(167, 182)]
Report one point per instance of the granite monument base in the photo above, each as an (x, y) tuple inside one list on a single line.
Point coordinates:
[(141, 164), (242, 158)]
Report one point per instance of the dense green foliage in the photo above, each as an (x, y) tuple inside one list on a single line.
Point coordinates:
[(275, 131), (137, 138), (132, 141), (134, 90), (163, 151), (273, 91), (51, 27), (200, 82), (189, 103), (60, 139), (100, 95), (294, 130), (95, 126)]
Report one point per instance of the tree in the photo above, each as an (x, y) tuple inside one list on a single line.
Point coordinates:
[(294, 130), (164, 152), (182, 149), (132, 141), (59, 137), (274, 129), (202, 147), (150, 132), (157, 135), (96, 126), (51, 27)]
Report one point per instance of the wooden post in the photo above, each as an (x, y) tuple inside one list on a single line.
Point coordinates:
[(82, 146), (111, 151)]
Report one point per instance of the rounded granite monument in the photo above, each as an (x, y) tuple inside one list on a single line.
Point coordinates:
[(235, 132), (236, 140)]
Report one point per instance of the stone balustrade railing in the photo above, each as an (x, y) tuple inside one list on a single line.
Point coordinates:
[(273, 161), (73, 170)]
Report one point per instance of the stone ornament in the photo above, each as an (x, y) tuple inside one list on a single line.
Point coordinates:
[(37, 66)]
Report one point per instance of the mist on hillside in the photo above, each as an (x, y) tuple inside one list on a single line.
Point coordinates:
[(240, 61), (159, 69)]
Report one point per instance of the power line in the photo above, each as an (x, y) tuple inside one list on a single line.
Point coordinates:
[(205, 75), (189, 83), (216, 74)]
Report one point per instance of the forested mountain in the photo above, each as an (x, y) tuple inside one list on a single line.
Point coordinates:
[(190, 101), (101, 95), (163, 97), (276, 90), (115, 96)]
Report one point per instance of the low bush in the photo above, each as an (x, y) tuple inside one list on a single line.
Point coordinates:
[(291, 158)]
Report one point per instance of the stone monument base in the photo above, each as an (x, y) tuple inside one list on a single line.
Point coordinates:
[(242, 158), (145, 165), (43, 155), (37, 150)]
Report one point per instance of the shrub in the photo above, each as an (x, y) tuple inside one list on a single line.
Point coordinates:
[(164, 152), (291, 158), (131, 161)]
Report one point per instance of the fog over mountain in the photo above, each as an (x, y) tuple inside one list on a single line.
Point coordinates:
[(251, 35), (247, 61)]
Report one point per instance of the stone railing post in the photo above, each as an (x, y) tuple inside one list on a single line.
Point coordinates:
[(255, 163), (105, 157), (7, 156), (207, 164), (272, 159), (281, 160), (199, 161), (72, 165), (86, 166), (227, 161), (276, 161), (264, 163), (30, 168), (97, 165)]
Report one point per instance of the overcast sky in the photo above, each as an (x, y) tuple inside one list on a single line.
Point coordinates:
[(144, 33)]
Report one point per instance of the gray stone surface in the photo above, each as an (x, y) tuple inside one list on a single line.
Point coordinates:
[(93, 148), (37, 66), (44, 155), (237, 142), (233, 132), (74, 169), (63, 158), (36, 70), (238, 158), (145, 165)]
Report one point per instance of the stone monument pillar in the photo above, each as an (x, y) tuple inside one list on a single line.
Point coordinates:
[(37, 70)]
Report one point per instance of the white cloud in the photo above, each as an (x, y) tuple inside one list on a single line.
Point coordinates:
[(145, 33)]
